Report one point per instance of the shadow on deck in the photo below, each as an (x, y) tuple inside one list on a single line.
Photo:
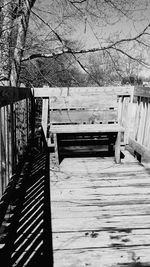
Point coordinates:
[(25, 238), (100, 212)]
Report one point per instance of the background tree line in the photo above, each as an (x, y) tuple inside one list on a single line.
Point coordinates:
[(39, 43)]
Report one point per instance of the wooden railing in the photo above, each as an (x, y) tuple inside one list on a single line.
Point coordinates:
[(16, 126), (139, 138), (25, 216)]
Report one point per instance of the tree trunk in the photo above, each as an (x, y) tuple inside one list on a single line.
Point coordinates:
[(22, 22), (5, 41), (15, 16)]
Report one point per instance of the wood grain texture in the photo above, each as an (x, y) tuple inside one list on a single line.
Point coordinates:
[(104, 257), (45, 104), (88, 128), (117, 148), (141, 149), (142, 91), (83, 116), (100, 212), (139, 141), (87, 101), (147, 126), (65, 91), (56, 149)]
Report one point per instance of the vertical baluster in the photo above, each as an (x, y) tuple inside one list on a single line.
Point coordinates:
[(13, 126), (0, 155), (137, 118), (45, 115), (132, 110), (139, 134), (27, 118), (32, 117), (145, 121), (147, 130), (24, 124), (19, 137), (3, 147), (9, 140), (120, 105), (6, 145), (142, 121), (125, 119)]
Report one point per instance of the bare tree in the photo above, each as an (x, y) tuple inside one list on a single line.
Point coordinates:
[(15, 21), (56, 21)]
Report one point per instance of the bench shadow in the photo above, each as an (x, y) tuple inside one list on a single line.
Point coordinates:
[(88, 151)]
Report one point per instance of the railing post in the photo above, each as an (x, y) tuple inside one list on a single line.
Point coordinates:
[(1, 191), (32, 118), (45, 108), (13, 145), (124, 114)]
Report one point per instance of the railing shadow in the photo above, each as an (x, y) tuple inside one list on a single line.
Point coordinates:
[(27, 239)]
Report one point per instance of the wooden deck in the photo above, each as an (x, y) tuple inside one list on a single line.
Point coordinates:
[(100, 212)]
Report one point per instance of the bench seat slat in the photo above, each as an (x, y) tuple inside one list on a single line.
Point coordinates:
[(86, 128)]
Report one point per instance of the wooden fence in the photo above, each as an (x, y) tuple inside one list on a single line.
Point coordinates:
[(16, 125)]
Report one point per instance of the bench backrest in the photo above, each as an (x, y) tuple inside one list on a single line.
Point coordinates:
[(83, 109)]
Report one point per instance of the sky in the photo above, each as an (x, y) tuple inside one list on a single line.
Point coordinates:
[(90, 31), (125, 26), (85, 27)]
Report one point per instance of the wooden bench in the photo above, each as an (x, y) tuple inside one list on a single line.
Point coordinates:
[(82, 110), (82, 129)]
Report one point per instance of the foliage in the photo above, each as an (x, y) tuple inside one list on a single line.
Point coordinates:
[(132, 80), (52, 72)]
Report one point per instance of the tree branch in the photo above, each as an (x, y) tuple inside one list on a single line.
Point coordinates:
[(81, 65), (77, 2), (114, 64), (131, 57), (57, 35), (67, 50), (109, 2)]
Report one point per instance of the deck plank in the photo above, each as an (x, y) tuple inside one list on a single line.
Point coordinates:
[(101, 239), (100, 212), (102, 257)]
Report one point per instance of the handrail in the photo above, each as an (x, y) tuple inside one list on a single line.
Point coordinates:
[(84, 91), (10, 95)]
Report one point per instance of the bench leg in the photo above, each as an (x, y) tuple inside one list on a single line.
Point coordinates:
[(110, 145), (117, 148), (56, 149)]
